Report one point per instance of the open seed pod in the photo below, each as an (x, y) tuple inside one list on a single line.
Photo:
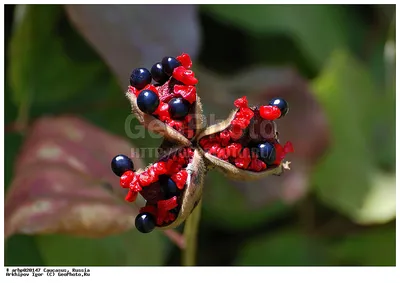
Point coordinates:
[(171, 106), (172, 187), (245, 146)]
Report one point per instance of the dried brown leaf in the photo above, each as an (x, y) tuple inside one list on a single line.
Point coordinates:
[(71, 140), (61, 179), (47, 198)]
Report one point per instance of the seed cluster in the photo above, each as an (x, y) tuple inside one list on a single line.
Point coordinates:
[(161, 184), (172, 98), (245, 145), (255, 151)]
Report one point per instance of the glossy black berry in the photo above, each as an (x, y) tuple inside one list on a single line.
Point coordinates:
[(178, 108), (145, 222), (170, 188), (158, 74), (281, 104), (147, 101), (140, 77), (120, 164), (266, 152), (169, 64)]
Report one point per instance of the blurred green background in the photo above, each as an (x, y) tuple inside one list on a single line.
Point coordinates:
[(74, 60)]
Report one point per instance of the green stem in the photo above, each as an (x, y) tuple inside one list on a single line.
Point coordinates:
[(190, 234)]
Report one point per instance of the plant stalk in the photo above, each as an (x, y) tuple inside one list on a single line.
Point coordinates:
[(190, 233)]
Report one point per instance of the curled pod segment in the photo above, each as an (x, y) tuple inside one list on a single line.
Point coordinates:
[(171, 107), (245, 146), (171, 187)]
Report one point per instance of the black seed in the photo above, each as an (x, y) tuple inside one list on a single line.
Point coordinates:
[(266, 152), (170, 189), (140, 77), (281, 104), (158, 74), (120, 164), (178, 108), (169, 64), (145, 222), (147, 101)]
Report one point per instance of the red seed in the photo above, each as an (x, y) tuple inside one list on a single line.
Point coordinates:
[(224, 137), (185, 60), (207, 145), (242, 163), (126, 179), (288, 147), (172, 167), (160, 168), (214, 149), (241, 102), (167, 204), (246, 113), (280, 154), (160, 217), (145, 179), (180, 178), (153, 175), (149, 209), (203, 141), (222, 154), (185, 76), (135, 186), (244, 159), (235, 132), (246, 153), (257, 165), (188, 118), (233, 149), (177, 125), (240, 122), (131, 196), (162, 111), (269, 112), (188, 92)]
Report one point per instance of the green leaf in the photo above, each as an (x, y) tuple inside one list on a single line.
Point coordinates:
[(128, 249), (12, 143), (40, 69), (373, 248), (284, 248), (348, 178), (224, 206), (317, 29), (21, 250)]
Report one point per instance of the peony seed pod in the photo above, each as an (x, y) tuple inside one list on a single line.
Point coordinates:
[(245, 146)]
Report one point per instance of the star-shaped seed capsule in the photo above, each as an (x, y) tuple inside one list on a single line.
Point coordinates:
[(245, 146)]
